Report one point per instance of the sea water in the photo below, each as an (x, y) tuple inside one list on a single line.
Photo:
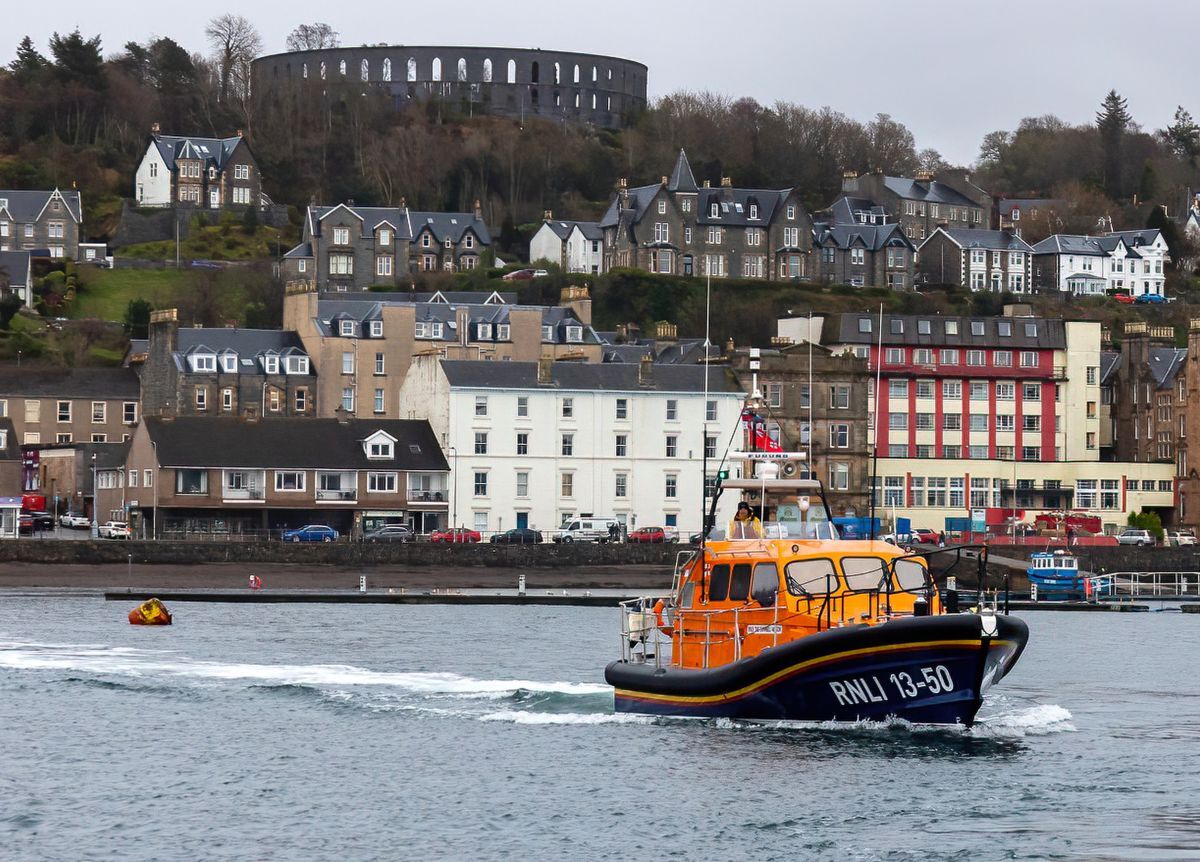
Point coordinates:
[(310, 732)]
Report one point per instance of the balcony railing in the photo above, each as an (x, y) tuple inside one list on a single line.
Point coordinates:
[(324, 496), (242, 493), (417, 495)]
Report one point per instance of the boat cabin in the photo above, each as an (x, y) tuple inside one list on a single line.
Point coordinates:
[(1044, 562), (779, 572)]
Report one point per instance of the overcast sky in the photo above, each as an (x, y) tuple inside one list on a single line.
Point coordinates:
[(951, 70)]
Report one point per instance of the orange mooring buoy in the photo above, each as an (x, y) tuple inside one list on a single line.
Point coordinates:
[(151, 612)]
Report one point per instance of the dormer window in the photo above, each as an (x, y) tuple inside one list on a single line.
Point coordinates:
[(574, 334), (485, 332), (271, 364), (229, 363), (977, 327), (1004, 328), (385, 236), (426, 241), (469, 241), (547, 332), (449, 243), (377, 329), (202, 362), (714, 211), (346, 327), (503, 332), (296, 364), (380, 446), (753, 211)]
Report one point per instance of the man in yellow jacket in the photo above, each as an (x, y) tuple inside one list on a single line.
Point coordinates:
[(744, 524)]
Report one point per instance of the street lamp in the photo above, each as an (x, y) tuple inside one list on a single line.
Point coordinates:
[(95, 501), (453, 487)]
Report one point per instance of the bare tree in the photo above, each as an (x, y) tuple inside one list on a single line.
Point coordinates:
[(234, 43), (312, 37)]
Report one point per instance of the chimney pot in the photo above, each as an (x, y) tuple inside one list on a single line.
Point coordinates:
[(545, 370), (707, 184), (239, 133), (726, 182), (665, 180), (547, 214), (155, 128), (645, 371)]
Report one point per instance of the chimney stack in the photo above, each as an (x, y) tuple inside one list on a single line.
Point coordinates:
[(478, 210), (239, 133), (645, 371), (547, 214), (924, 176), (154, 128), (726, 182), (403, 203), (707, 184)]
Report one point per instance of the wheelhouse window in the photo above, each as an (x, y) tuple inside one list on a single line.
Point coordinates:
[(811, 577), (864, 573)]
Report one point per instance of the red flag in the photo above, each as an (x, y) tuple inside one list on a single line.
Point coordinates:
[(757, 438)]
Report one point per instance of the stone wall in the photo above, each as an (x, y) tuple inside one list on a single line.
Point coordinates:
[(1126, 558), (154, 225), (357, 554)]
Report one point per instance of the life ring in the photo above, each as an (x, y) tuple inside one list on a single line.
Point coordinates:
[(662, 616), (255, 582)]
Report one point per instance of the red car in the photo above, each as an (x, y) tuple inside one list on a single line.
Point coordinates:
[(649, 535), (455, 536), (1125, 298)]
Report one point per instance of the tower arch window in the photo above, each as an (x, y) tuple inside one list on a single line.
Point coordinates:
[(576, 73), (557, 73), (322, 70), (462, 69), (595, 75), (487, 70), (412, 69), (304, 70), (533, 72), (387, 69), (512, 71), (342, 68), (365, 70), (437, 69)]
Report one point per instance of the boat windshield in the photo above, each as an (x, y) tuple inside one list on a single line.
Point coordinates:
[(783, 516), (910, 576)]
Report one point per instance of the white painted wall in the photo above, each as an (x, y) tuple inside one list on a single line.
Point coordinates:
[(583, 254), (546, 245), (152, 183)]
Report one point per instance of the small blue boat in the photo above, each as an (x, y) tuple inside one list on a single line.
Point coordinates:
[(1055, 576)]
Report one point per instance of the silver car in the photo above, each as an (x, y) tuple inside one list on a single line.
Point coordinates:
[(1141, 538)]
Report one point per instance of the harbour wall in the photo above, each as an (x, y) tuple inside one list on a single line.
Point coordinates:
[(1124, 558)]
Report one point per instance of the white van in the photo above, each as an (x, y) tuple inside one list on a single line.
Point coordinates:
[(587, 530)]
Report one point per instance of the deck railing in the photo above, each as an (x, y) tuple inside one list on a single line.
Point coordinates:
[(1144, 585)]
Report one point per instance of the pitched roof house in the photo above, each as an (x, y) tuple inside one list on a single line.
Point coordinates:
[(33, 220), (992, 260), (214, 173), (576, 246)]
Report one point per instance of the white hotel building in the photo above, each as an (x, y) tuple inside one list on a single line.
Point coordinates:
[(532, 443), (1130, 261)]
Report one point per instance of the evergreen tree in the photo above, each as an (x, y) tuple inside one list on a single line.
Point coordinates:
[(1170, 232), (1148, 185), (1112, 121), (29, 62), (1182, 137), (78, 59)]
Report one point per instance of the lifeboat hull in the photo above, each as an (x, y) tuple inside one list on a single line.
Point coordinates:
[(927, 670)]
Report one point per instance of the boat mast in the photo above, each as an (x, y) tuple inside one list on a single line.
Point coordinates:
[(704, 426), (873, 490)]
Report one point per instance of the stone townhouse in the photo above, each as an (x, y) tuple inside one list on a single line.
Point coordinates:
[(922, 203), (225, 371), (857, 246), (362, 344), (679, 228), (977, 260), (213, 173), (50, 220), (69, 405), (227, 475), (353, 248), (814, 401), (576, 246), (1150, 396)]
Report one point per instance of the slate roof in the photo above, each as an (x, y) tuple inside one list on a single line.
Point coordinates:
[(99, 384), (932, 191), (27, 205), (578, 376), (452, 297), (869, 236), (562, 229), (1007, 205), (15, 265), (1048, 333), (250, 345), (302, 250), (408, 224), (1076, 244), (1165, 364), (849, 210), (1134, 238), (291, 443), (996, 240), (682, 179), (1110, 361), (214, 152)]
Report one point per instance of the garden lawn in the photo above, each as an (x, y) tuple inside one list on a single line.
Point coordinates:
[(108, 291)]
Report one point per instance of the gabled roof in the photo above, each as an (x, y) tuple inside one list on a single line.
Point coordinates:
[(214, 152), (95, 383), (408, 224), (1135, 238), (248, 344), (302, 250), (872, 237), (291, 443), (682, 179), (734, 206), (931, 191), (452, 226), (1110, 361), (1087, 246), (1165, 364), (852, 210), (27, 206), (578, 376), (993, 240), (15, 265), (562, 229)]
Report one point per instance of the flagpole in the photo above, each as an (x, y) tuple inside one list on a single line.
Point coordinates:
[(873, 490), (704, 427)]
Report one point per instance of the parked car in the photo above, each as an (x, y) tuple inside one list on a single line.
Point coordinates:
[(1150, 299), (588, 530), (75, 521), (1124, 298), (524, 274), (113, 530), (391, 533), (1179, 538), (311, 533), (517, 536), (649, 536), (24, 524), (41, 520), (455, 536), (925, 536), (1130, 536)]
